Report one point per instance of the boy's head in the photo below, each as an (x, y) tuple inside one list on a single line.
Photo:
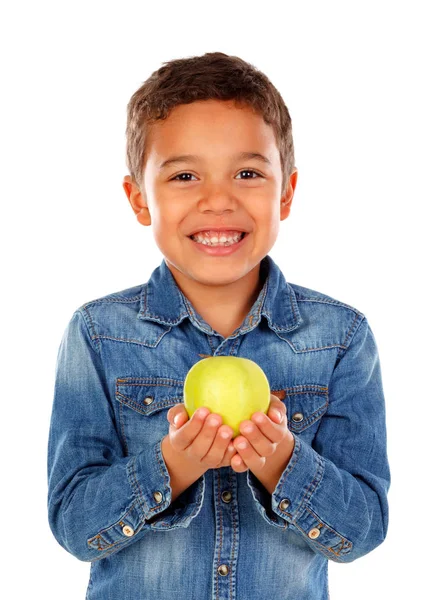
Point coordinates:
[(217, 109)]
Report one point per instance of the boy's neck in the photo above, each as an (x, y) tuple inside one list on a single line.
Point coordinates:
[(224, 308)]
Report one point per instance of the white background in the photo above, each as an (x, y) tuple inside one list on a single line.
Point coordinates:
[(357, 78)]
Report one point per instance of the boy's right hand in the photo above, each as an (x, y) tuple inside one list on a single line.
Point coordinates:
[(202, 439)]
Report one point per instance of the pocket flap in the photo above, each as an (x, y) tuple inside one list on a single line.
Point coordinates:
[(147, 395), (305, 405)]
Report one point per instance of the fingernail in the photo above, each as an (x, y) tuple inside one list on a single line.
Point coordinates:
[(177, 419), (277, 414)]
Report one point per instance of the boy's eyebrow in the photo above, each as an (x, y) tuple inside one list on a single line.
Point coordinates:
[(194, 158)]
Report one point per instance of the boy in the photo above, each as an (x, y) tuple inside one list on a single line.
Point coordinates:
[(169, 507)]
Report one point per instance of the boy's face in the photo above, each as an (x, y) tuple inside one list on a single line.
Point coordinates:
[(215, 189)]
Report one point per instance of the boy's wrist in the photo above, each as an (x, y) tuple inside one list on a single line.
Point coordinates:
[(182, 473)]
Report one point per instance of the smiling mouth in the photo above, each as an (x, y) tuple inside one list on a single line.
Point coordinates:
[(207, 242)]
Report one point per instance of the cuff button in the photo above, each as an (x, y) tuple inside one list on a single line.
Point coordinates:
[(128, 531), (314, 533)]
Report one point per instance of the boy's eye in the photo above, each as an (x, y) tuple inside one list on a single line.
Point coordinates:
[(181, 175), (249, 171)]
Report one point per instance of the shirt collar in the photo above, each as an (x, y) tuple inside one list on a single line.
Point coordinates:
[(162, 301)]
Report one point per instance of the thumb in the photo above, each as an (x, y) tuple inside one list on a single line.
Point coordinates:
[(277, 409), (177, 416)]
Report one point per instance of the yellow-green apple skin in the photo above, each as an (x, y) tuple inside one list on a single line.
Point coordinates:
[(231, 386)]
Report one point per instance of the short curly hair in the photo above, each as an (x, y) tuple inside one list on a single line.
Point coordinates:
[(214, 75)]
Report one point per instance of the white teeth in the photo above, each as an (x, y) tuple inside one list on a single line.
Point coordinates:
[(215, 241)]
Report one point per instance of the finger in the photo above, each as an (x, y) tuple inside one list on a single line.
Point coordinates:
[(179, 413), (263, 445), (215, 455), (182, 438), (276, 409), (238, 465), (249, 455), (262, 429), (202, 443), (229, 453)]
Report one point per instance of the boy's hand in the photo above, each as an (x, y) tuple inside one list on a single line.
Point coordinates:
[(265, 446), (202, 440)]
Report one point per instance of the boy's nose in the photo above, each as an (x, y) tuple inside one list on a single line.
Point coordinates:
[(217, 197)]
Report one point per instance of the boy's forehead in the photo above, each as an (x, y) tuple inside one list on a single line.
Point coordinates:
[(211, 127)]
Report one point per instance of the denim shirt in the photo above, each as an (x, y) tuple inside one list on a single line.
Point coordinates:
[(121, 365)]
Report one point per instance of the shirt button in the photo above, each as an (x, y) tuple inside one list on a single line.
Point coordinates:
[(226, 496), (283, 504), (128, 531), (314, 533), (148, 400), (223, 570), (297, 417), (158, 496)]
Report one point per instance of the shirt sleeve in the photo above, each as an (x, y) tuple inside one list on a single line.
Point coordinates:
[(100, 500), (334, 493)]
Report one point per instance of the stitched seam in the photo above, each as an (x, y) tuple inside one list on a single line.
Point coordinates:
[(157, 456), (192, 315), (149, 381), (296, 457), (114, 339), (325, 301), (344, 543), (234, 533), (109, 300), (351, 332), (153, 407), (310, 420), (163, 320), (221, 529), (292, 302), (139, 493), (312, 486), (258, 310), (276, 327), (293, 391), (353, 325), (99, 535), (92, 334), (321, 348), (323, 549)]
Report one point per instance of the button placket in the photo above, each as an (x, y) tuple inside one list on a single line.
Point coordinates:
[(227, 526)]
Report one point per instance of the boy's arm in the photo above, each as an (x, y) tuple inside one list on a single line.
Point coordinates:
[(334, 493), (100, 500), (182, 476)]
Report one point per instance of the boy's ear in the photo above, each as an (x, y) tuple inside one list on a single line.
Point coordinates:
[(286, 201), (137, 201)]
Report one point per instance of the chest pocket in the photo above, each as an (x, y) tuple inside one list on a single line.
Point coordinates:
[(305, 405), (143, 406)]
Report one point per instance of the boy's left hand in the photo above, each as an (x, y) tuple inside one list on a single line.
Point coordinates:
[(265, 445)]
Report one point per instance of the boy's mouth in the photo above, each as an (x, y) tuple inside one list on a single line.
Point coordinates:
[(212, 238)]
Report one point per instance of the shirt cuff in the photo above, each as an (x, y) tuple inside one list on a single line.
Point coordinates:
[(150, 481), (291, 500)]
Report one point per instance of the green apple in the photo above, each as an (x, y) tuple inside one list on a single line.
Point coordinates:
[(233, 387)]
